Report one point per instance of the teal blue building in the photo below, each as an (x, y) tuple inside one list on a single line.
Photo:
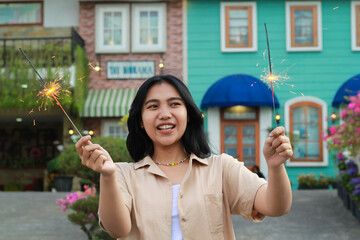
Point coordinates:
[(315, 49)]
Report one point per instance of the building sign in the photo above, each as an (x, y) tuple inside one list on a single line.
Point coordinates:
[(130, 69)]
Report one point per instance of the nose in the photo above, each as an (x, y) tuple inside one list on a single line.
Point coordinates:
[(164, 113)]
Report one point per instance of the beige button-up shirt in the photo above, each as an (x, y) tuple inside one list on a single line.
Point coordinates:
[(212, 190)]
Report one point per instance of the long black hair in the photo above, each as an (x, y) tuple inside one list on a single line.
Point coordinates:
[(194, 139)]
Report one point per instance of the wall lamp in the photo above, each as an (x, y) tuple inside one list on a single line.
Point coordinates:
[(333, 117), (277, 118)]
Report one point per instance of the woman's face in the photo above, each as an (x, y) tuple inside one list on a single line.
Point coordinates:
[(164, 115)]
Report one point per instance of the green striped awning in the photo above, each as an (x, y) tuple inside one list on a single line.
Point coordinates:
[(108, 102)]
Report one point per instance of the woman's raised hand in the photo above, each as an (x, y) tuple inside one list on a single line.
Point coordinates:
[(95, 157), (277, 148)]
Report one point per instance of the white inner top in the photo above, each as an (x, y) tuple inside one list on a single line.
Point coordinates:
[(176, 233)]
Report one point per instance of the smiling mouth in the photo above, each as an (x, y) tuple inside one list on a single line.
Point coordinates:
[(166, 127)]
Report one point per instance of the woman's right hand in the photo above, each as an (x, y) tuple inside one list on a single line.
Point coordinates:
[(95, 157)]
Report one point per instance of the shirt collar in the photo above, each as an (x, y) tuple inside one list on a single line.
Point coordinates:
[(147, 161), (200, 160)]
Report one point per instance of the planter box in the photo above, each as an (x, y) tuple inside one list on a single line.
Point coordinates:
[(63, 183), (355, 209), (347, 201)]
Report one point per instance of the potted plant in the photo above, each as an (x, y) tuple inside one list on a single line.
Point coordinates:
[(58, 175), (310, 181)]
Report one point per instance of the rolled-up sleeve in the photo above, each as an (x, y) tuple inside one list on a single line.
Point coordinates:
[(240, 186)]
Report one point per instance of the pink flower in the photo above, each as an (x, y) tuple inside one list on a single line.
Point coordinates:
[(333, 130), (353, 99), (357, 131), (357, 110), (351, 105), (343, 114), (91, 216)]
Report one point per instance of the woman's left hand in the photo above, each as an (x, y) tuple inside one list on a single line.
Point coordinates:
[(277, 148)]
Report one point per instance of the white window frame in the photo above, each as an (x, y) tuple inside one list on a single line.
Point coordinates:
[(99, 20), (254, 46), (106, 124), (288, 27), (354, 33), (161, 46), (323, 105)]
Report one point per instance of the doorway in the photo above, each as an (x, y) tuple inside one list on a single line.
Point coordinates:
[(240, 134)]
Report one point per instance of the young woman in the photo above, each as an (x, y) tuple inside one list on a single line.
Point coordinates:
[(176, 189)]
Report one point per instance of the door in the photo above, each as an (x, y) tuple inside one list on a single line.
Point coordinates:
[(240, 140)]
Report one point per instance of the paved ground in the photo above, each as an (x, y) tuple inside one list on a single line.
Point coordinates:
[(315, 215)]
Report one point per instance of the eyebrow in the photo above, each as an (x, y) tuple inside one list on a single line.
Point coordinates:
[(170, 99)]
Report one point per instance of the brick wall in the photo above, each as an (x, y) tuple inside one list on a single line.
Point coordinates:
[(172, 57)]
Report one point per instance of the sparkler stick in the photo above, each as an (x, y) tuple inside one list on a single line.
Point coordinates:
[(50, 91), (271, 77)]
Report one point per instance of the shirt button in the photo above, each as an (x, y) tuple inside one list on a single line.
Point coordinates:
[(184, 218)]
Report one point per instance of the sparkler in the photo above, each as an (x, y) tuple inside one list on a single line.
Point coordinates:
[(53, 90), (271, 77)]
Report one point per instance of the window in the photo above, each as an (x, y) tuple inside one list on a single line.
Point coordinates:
[(23, 13), (355, 25), (305, 117), (303, 26), (238, 27), (112, 28), (146, 31), (149, 27), (112, 128)]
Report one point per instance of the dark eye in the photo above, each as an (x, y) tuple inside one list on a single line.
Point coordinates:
[(151, 106), (174, 104)]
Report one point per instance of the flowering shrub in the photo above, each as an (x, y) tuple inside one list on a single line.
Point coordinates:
[(71, 198), (346, 136), (84, 205), (310, 181)]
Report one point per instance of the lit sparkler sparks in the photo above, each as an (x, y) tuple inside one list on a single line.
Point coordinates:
[(96, 67), (52, 91), (50, 94)]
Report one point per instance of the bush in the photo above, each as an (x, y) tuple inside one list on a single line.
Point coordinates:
[(14, 187), (85, 206), (310, 181), (69, 161)]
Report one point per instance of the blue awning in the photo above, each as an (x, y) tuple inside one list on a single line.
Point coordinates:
[(350, 88), (238, 89)]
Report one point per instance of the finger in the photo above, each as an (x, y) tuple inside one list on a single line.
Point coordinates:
[(283, 147), (92, 158), (288, 153), (91, 148), (280, 140), (94, 155), (82, 141), (100, 162), (277, 131), (269, 141)]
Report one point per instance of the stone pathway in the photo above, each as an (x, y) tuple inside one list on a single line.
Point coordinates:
[(315, 215)]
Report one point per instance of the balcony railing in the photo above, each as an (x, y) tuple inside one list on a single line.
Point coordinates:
[(41, 51)]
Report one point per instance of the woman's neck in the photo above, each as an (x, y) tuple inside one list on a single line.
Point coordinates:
[(169, 154)]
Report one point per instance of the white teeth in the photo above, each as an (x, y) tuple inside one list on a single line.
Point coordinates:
[(166, 127)]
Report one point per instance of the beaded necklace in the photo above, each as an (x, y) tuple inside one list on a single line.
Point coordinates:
[(173, 164)]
